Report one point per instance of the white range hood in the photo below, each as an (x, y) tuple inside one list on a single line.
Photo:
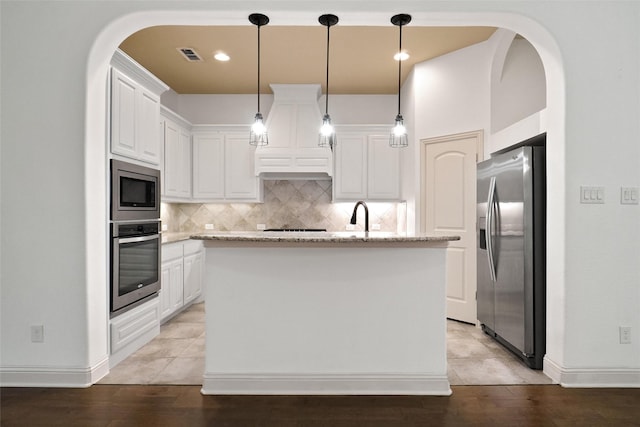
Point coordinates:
[(293, 124)]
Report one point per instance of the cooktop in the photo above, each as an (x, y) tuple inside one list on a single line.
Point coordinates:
[(296, 229)]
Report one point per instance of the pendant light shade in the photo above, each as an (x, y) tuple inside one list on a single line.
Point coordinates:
[(398, 136), (258, 135), (327, 136)]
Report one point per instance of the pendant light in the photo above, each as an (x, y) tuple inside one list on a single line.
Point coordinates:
[(258, 135), (327, 132), (398, 136)]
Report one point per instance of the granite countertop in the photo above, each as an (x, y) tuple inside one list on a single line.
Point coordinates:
[(170, 237), (319, 237)]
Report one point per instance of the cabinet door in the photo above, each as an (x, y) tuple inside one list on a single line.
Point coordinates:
[(166, 307), (177, 164), (350, 181), (240, 181), (123, 111), (160, 126), (383, 169), (148, 113), (192, 277), (208, 166), (171, 159), (177, 284), (185, 163)]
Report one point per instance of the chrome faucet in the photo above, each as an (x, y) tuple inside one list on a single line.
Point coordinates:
[(366, 215)]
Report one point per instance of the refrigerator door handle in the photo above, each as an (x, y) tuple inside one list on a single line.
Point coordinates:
[(488, 227)]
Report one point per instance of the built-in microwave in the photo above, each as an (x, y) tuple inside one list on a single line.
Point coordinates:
[(135, 192)]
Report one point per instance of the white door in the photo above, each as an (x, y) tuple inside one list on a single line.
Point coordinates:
[(448, 207)]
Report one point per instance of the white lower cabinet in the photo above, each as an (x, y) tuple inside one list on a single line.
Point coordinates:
[(171, 295), (181, 276), (193, 264), (131, 330)]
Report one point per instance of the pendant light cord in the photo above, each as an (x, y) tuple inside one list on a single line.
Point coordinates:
[(258, 68), (399, 67), (326, 100)]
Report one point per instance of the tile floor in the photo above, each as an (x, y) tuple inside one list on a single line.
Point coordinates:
[(476, 359), (176, 356)]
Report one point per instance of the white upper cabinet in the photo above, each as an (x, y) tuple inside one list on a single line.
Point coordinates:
[(135, 111), (223, 165), (366, 167), (148, 139), (240, 181), (350, 179), (177, 161), (383, 169), (208, 165), (123, 113)]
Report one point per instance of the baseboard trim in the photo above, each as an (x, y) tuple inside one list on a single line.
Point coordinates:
[(592, 377), (326, 384), (49, 376)]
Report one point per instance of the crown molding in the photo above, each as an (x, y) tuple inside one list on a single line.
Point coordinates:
[(127, 65)]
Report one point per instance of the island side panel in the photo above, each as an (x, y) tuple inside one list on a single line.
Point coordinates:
[(345, 320)]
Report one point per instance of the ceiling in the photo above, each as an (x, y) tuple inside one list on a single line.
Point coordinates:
[(361, 58)]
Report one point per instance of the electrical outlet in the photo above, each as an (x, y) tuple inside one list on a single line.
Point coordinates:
[(375, 227), (350, 227), (165, 227), (209, 227), (625, 334), (261, 226), (37, 333)]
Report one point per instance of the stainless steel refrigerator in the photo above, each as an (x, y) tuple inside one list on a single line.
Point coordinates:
[(511, 231)]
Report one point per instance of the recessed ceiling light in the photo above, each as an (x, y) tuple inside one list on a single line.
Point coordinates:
[(221, 56), (401, 56)]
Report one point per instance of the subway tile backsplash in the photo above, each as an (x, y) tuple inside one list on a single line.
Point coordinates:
[(287, 204)]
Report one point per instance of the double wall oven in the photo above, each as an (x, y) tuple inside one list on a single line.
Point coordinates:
[(135, 235)]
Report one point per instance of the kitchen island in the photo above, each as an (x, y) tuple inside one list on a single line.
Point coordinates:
[(325, 313)]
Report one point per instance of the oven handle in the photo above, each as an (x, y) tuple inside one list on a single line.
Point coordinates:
[(138, 239)]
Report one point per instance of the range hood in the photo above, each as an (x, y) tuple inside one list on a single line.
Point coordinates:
[(293, 125)]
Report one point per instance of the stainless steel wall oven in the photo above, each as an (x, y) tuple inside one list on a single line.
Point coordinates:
[(135, 263), (135, 235)]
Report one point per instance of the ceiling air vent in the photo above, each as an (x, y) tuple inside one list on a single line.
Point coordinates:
[(190, 54)]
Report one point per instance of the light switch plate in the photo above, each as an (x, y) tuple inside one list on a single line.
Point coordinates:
[(629, 195), (591, 195)]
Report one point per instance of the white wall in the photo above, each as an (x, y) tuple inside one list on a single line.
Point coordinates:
[(518, 85), (450, 95), (240, 109), (53, 166)]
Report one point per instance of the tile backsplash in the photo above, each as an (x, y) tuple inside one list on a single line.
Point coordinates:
[(287, 204)]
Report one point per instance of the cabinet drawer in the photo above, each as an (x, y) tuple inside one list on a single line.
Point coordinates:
[(172, 251), (131, 325), (192, 247)]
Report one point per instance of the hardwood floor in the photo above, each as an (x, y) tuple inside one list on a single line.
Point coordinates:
[(167, 406)]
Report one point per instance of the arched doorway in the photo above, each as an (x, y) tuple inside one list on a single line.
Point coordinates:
[(96, 131)]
